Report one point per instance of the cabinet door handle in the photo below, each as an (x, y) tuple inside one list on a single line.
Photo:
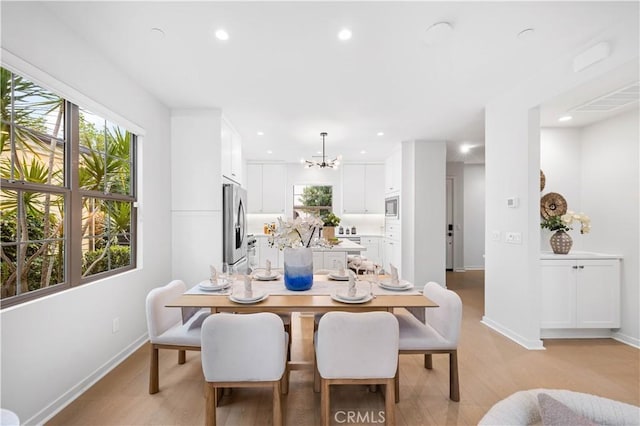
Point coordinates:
[(581, 266), (574, 267)]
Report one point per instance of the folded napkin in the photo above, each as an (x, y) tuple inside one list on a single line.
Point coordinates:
[(394, 275), (213, 274), (248, 291), (268, 273), (351, 289), (340, 268)]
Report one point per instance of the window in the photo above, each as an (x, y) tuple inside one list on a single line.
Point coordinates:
[(314, 200), (67, 203)]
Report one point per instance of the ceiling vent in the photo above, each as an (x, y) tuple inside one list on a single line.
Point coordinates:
[(612, 101)]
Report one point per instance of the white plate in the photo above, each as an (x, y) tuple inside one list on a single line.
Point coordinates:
[(254, 299), (261, 276), (338, 277), (360, 294), (402, 286), (337, 298), (209, 286)]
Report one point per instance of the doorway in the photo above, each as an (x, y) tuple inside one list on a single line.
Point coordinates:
[(449, 225)]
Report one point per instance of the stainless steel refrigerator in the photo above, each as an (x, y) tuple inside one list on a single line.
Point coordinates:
[(234, 234)]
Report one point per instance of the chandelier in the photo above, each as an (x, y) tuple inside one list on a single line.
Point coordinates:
[(332, 164)]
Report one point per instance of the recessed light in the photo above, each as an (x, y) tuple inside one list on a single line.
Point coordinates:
[(260, 133), (363, 152), (269, 151), (438, 32), (157, 33), (380, 133), (318, 152), (526, 34), (222, 35), (345, 34), (465, 148), (565, 118)]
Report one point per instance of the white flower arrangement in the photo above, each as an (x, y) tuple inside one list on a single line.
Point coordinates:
[(570, 217), (295, 233)]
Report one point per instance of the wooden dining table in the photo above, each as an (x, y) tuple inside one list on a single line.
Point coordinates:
[(303, 301)]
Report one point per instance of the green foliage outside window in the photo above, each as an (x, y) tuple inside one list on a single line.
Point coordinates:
[(34, 154)]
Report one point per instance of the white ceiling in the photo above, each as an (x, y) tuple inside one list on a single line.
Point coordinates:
[(284, 72)]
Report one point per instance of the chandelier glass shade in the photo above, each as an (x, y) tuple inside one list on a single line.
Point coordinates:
[(324, 163)]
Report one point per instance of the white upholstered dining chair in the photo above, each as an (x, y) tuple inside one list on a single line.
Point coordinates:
[(244, 350), (166, 329), (357, 348), (440, 333)]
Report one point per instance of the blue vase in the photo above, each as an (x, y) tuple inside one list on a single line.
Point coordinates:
[(298, 269)]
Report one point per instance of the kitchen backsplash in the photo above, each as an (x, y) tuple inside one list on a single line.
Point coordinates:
[(366, 224)]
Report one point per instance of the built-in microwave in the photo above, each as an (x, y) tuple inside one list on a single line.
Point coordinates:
[(392, 207)]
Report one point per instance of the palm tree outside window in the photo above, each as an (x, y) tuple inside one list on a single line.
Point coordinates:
[(68, 193)]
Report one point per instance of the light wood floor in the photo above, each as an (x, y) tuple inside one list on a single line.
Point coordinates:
[(491, 368)]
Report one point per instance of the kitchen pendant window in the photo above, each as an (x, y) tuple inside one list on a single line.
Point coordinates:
[(68, 193)]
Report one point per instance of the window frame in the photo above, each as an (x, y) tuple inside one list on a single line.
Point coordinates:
[(73, 196)]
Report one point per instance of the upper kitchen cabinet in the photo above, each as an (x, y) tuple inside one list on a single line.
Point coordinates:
[(393, 173), (266, 187), (362, 188), (231, 154)]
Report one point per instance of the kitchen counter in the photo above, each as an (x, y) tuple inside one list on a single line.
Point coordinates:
[(549, 255), (345, 245)]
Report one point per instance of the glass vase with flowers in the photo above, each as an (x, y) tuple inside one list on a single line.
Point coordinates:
[(295, 238)]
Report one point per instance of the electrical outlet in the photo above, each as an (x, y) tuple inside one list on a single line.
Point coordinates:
[(116, 325), (513, 237)]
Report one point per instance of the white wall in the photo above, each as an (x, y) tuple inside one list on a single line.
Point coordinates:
[(474, 194), (55, 347), (456, 170), (512, 158), (423, 211), (561, 162), (610, 196)]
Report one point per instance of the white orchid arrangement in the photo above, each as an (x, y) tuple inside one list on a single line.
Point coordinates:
[(295, 233), (564, 222)]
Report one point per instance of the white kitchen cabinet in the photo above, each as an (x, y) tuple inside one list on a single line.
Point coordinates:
[(331, 259), (231, 152), (361, 188), (392, 245), (580, 293), (392, 255), (266, 187), (374, 250), (328, 259), (393, 173), (272, 254)]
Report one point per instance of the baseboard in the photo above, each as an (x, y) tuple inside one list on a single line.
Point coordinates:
[(68, 397), (508, 333), (628, 340), (474, 268), (575, 333), (459, 269)]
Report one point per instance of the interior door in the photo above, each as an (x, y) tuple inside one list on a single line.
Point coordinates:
[(449, 225)]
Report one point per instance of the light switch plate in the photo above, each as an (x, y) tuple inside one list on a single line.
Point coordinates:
[(513, 202), (513, 237), (495, 235)]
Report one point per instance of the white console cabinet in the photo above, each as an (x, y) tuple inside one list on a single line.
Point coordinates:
[(580, 291)]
